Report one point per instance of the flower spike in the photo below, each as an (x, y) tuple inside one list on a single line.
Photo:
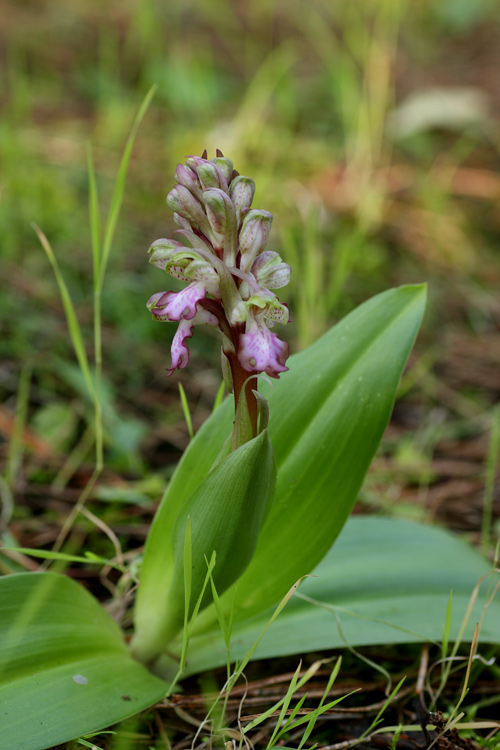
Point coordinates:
[(229, 277)]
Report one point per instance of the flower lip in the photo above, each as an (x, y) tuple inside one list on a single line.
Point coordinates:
[(261, 350), (179, 350)]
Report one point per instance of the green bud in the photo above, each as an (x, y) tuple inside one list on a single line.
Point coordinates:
[(211, 177), (222, 218), (215, 204), (174, 202), (241, 192), (270, 271), (225, 166), (234, 306), (183, 202), (188, 179), (254, 232)]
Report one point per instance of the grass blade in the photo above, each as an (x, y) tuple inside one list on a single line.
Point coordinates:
[(95, 229), (219, 396), (185, 411), (313, 719), (94, 215), (117, 198), (69, 309), (15, 452)]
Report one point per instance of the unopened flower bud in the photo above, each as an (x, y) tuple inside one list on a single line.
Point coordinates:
[(241, 191), (216, 209), (211, 176), (222, 218), (254, 232), (225, 166), (185, 176), (185, 204), (270, 271), (174, 202), (193, 162)]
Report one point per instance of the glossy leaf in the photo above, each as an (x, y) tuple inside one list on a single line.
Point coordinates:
[(64, 667), (384, 581), (327, 416)]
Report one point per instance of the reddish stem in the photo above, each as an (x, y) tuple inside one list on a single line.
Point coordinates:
[(238, 372)]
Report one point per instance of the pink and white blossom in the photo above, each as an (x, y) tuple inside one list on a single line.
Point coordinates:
[(173, 306), (261, 350)]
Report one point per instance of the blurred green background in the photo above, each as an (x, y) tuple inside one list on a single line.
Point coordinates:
[(372, 130)]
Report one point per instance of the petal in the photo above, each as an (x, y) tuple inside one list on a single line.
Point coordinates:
[(182, 222), (156, 304), (204, 317), (177, 305), (196, 270), (278, 313), (183, 304), (261, 350), (179, 350), (161, 252)]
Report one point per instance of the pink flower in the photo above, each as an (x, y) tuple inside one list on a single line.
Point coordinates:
[(261, 350), (171, 306), (178, 349), (181, 306)]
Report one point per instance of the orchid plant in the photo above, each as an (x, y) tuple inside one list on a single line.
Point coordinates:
[(254, 506)]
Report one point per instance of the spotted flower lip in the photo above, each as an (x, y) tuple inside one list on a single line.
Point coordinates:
[(260, 350), (220, 253)]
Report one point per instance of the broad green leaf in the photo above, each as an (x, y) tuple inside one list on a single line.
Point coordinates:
[(385, 581), (328, 420), (327, 416), (226, 512), (64, 667), (225, 515)]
